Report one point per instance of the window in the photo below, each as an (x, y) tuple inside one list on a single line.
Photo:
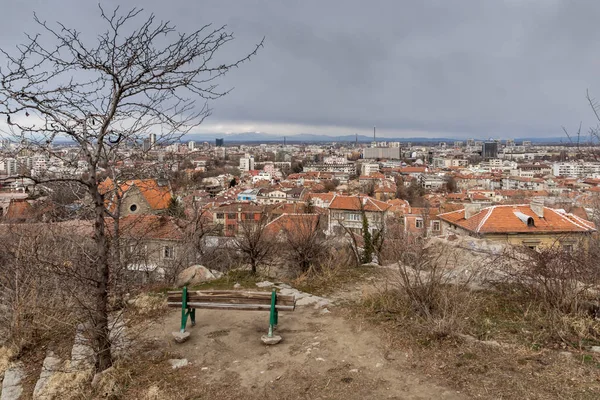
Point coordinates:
[(436, 225), (249, 216), (354, 217), (220, 216), (419, 223), (168, 252), (231, 216), (133, 208), (568, 247)]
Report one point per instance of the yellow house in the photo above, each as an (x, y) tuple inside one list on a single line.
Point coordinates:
[(531, 225)]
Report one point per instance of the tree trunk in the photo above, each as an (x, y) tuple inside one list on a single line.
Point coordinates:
[(100, 331)]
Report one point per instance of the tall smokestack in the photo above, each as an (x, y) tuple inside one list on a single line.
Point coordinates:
[(374, 135)]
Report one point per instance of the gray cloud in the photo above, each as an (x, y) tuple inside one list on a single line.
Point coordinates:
[(462, 68)]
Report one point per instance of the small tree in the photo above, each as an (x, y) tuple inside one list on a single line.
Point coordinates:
[(367, 255), (106, 95), (252, 242)]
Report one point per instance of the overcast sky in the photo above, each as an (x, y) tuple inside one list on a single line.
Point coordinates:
[(459, 68)]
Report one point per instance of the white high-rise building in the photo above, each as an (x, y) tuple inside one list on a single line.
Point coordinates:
[(191, 145), (152, 138), (247, 163)]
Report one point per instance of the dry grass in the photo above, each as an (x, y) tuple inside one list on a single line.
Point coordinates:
[(520, 349)]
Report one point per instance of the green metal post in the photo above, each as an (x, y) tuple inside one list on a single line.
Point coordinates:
[(273, 316), (193, 316), (184, 312)]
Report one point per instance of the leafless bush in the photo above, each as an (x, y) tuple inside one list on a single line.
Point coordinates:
[(559, 278), (426, 291)]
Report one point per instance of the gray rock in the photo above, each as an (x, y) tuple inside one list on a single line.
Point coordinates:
[(237, 286), (271, 340), (217, 274), (180, 337), (308, 301), (50, 366), (322, 303), (82, 353), (194, 275), (595, 349), (264, 284), (283, 286), (178, 362), (11, 385)]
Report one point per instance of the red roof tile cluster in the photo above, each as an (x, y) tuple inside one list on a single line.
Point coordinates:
[(157, 196), (515, 218), (358, 203)]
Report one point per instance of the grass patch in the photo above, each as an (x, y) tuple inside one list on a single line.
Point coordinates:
[(328, 281)]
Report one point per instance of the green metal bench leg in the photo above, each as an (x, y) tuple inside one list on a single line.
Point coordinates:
[(193, 316), (273, 314), (184, 310)]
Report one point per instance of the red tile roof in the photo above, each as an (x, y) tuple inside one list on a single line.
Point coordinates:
[(354, 203), (505, 219), (157, 196)]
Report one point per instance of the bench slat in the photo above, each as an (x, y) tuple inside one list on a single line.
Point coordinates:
[(232, 294), (246, 307), (232, 300)]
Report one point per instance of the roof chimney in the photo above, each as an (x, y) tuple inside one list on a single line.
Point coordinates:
[(471, 209), (537, 206)]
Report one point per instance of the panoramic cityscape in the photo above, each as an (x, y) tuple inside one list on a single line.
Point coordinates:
[(419, 200)]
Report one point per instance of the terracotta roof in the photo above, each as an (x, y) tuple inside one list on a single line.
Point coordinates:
[(18, 209), (149, 226), (157, 196), (354, 203), (300, 224), (505, 219)]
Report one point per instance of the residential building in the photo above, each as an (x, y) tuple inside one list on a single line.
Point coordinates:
[(247, 163), (346, 213), (139, 196), (532, 225), (382, 152)]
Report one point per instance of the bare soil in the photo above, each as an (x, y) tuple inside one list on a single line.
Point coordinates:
[(322, 356)]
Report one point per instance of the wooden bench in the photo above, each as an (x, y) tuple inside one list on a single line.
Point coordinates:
[(238, 300)]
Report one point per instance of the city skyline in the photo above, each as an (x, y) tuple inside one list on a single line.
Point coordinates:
[(424, 69)]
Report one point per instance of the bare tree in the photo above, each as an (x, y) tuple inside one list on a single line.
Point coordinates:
[(253, 242), (304, 241), (138, 76)]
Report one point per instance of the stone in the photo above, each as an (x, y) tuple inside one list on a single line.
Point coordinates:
[(194, 275), (271, 340), (180, 337), (378, 365), (283, 286), (264, 284), (50, 366), (354, 370), (178, 362), (595, 349), (324, 311), (237, 286), (308, 301), (11, 385), (217, 274), (319, 359), (82, 353), (322, 303), (565, 354)]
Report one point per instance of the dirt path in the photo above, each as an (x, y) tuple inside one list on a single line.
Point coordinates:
[(322, 356)]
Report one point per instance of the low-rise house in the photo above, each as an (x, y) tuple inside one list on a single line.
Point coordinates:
[(346, 213), (138, 196), (532, 225), (230, 216)]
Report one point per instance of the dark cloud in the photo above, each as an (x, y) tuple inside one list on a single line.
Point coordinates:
[(465, 67)]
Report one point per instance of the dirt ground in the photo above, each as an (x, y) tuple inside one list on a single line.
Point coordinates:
[(322, 356)]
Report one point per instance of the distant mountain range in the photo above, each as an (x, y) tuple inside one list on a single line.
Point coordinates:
[(253, 137)]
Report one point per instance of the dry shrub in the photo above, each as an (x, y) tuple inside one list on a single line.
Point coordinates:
[(557, 278), (335, 269), (425, 292), (6, 355), (148, 303), (67, 384)]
